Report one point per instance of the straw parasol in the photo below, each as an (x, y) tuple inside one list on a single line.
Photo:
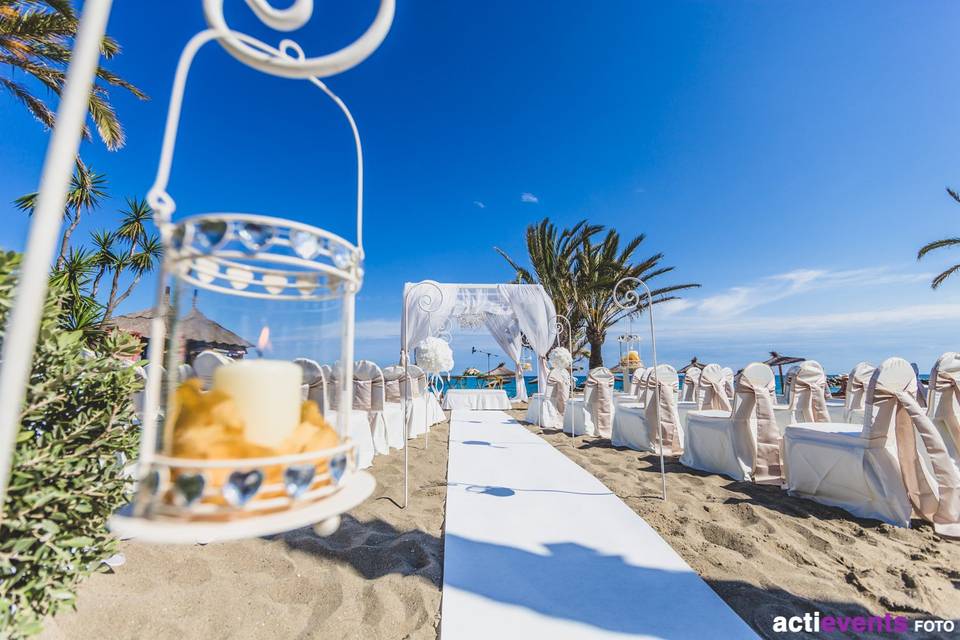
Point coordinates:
[(693, 363), (500, 371), (198, 332), (778, 361)]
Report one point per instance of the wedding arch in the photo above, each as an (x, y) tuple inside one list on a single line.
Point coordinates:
[(509, 312)]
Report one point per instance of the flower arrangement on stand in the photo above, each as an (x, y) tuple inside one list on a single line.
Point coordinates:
[(560, 358), (435, 355)]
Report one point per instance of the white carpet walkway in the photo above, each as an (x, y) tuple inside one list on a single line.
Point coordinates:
[(536, 547)]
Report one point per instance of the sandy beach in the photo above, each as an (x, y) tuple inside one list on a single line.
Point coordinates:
[(765, 553), (768, 554), (379, 576)]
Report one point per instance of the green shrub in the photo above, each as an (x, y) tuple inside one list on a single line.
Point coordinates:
[(77, 432)]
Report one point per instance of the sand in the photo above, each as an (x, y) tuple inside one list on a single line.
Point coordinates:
[(768, 554), (765, 553), (379, 576)]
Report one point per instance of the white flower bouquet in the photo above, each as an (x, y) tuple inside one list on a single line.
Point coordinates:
[(434, 355)]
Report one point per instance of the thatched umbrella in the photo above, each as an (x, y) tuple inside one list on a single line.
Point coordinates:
[(777, 360), (693, 363), (198, 332)]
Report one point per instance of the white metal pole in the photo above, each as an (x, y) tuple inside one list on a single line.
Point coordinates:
[(20, 338)]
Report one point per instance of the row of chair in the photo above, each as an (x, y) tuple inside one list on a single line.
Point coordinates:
[(888, 451), (376, 421)]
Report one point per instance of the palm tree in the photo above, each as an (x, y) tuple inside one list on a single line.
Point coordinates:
[(141, 252), (600, 268), (939, 244), (580, 277), (87, 189), (143, 261), (552, 253), (103, 245), (36, 38)]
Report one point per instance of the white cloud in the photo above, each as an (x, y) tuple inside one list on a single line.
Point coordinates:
[(529, 197), (479, 204)]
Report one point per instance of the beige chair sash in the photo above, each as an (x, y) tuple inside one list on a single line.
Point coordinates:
[(809, 394), (756, 402), (856, 391), (662, 415), (599, 392), (897, 408), (691, 384), (712, 384), (559, 383), (943, 405)]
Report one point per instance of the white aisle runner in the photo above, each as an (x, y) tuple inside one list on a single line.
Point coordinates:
[(536, 547)]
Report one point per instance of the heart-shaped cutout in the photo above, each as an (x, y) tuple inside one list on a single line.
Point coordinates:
[(297, 479), (239, 278), (274, 283), (188, 488), (306, 245), (338, 465), (210, 234), (255, 236), (241, 486), (207, 270)]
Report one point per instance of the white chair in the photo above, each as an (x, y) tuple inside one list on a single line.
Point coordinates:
[(943, 401), (533, 405), (393, 407), (554, 407), (315, 387), (856, 394), (639, 428), (358, 422), (689, 394), (728, 381), (632, 397), (807, 394), (206, 363), (713, 388), (401, 389), (185, 372), (880, 470), (743, 444), (369, 397), (592, 415), (423, 413)]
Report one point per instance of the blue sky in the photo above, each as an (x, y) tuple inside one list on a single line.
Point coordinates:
[(789, 156)]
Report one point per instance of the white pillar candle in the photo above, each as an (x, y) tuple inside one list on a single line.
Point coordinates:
[(267, 396)]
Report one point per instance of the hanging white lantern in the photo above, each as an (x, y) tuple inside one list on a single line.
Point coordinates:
[(231, 446)]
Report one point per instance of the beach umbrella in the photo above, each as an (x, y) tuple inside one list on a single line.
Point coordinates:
[(778, 361), (694, 362), (198, 332)]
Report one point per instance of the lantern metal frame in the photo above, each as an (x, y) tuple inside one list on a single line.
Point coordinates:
[(24, 321), (274, 267), (630, 301)]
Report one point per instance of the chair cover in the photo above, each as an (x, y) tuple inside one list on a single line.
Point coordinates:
[(559, 385), (856, 393), (392, 407), (206, 363), (315, 382), (398, 388), (713, 388), (728, 382), (639, 427), (744, 444), (598, 397), (369, 396), (185, 372), (691, 384), (884, 471), (943, 401), (808, 396)]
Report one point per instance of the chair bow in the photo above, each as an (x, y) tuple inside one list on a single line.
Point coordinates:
[(759, 399), (940, 506)]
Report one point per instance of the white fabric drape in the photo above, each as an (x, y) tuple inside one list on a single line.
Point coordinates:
[(536, 316), (506, 331), (420, 322)]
